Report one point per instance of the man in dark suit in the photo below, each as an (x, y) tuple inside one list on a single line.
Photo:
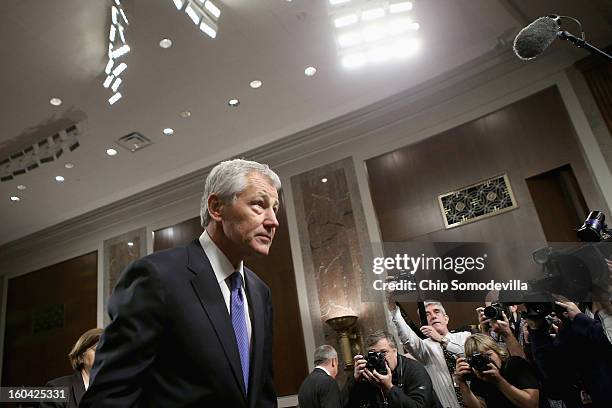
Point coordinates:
[(191, 326), (319, 389)]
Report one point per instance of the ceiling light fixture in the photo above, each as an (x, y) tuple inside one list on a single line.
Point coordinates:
[(55, 101), (165, 43), (324, 180), (168, 131), (373, 31), (69, 165), (59, 179), (255, 84), (111, 152), (15, 198), (130, 244), (310, 71), (185, 114), (117, 48), (114, 98), (204, 14), (21, 187), (346, 20), (372, 14), (400, 7), (233, 102)]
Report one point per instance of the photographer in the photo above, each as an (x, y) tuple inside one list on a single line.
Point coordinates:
[(580, 355), (500, 326), (384, 378), (497, 380), (438, 352)]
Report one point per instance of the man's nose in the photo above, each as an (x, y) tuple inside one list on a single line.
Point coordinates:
[(271, 221)]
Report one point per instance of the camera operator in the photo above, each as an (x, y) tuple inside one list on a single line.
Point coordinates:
[(497, 380), (503, 330), (438, 352), (580, 354), (384, 378)]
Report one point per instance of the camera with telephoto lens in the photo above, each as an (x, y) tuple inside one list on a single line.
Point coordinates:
[(579, 273), (496, 310), (376, 361), (479, 362)]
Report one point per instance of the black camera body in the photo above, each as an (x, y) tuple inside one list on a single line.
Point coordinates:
[(479, 362), (496, 310), (376, 361)]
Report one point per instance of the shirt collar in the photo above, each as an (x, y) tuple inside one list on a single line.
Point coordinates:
[(324, 369), (222, 267)]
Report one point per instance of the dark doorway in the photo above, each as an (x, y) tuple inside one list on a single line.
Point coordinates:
[(559, 202)]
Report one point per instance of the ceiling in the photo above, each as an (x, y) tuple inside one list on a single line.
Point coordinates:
[(58, 49)]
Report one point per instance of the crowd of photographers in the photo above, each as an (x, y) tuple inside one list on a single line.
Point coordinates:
[(516, 358)]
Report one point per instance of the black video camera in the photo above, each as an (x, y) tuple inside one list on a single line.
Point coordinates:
[(376, 361), (578, 272), (479, 362)]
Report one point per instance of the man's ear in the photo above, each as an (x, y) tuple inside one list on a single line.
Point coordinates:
[(215, 207), (447, 319)]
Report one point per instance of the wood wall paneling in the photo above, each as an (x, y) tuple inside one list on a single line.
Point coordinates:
[(526, 138), (37, 341)]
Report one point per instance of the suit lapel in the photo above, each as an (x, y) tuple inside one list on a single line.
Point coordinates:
[(256, 312), (78, 387), (209, 294)]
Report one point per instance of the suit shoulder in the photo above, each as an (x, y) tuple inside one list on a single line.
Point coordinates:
[(257, 280), (61, 381), (413, 366), (163, 262)]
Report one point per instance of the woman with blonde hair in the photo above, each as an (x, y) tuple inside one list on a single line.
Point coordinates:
[(490, 377), (81, 359)]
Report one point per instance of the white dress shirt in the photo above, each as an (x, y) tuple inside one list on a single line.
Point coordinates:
[(431, 355), (223, 268)]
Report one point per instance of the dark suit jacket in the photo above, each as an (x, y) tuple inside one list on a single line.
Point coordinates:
[(319, 390), (76, 389), (171, 343)]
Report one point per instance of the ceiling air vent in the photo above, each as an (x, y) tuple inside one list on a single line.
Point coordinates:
[(134, 142)]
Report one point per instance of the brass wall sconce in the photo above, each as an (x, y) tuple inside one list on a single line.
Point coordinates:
[(342, 325)]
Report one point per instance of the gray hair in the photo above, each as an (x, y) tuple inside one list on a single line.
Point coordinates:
[(228, 179), (377, 336), (324, 354), (435, 303)]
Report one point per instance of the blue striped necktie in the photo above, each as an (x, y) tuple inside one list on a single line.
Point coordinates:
[(240, 325)]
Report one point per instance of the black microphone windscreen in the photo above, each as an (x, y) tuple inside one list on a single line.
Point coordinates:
[(532, 40)]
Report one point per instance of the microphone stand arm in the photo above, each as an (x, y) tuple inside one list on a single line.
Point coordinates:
[(564, 35)]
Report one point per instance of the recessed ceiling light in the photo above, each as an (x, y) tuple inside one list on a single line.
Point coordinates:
[(168, 131), (255, 84), (59, 179), (310, 71), (185, 114), (55, 101), (21, 187), (165, 43), (233, 102), (324, 180), (111, 152), (15, 198), (130, 244), (69, 165)]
